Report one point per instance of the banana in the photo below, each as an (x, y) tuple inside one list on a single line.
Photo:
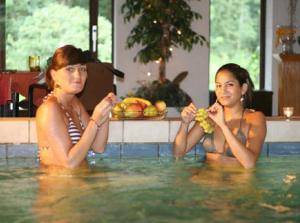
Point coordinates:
[(130, 100)]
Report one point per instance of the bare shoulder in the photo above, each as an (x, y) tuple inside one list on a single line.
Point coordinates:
[(255, 117), (49, 110)]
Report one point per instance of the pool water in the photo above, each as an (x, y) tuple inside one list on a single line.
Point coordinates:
[(151, 190)]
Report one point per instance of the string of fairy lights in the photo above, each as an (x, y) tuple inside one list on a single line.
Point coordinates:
[(149, 72)]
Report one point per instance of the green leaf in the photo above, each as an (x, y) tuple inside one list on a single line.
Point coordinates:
[(180, 77), (158, 25)]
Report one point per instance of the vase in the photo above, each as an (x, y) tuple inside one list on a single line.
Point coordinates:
[(287, 44), (286, 37)]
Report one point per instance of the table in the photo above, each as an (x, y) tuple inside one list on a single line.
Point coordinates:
[(16, 82)]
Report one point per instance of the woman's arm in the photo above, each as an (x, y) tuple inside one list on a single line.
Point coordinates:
[(185, 140), (53, 133), (255, 139), (247, 154), (102, 122), (100, 141)]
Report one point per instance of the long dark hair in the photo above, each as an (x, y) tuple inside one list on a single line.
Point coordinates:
[(243, 77), (62, 57)]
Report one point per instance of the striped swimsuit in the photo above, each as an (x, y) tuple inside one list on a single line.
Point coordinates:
[(73, 131)]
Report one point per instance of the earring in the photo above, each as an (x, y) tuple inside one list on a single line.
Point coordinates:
[(242, 98)]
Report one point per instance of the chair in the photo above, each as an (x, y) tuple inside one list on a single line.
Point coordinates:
[(43, 91)]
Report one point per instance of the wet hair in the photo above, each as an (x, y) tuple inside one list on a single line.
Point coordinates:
[(62, 57), (243, 77)]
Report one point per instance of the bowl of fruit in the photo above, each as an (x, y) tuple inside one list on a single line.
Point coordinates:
[(139, 108)]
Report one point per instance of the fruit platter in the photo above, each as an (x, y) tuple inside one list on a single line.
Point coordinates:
[(134, 108)]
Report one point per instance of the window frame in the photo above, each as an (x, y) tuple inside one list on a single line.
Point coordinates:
[(2, 35), (263, 10)]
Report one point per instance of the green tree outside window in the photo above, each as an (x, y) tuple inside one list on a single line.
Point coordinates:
[(39, 27), (235, 36)]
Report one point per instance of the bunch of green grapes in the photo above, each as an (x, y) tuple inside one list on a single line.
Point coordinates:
[(204, 121)]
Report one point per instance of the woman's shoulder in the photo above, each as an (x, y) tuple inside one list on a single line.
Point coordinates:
[(254, 116), (48, 107)]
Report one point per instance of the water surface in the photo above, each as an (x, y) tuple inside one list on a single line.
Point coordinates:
[(151, 190)]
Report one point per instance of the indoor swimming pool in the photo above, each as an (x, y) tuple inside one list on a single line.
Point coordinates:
[(151, 190)]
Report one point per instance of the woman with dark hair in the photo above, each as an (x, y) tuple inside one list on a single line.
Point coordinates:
[(65, 131), (239, 132)]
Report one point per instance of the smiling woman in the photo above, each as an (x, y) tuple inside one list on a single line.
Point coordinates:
[(65, 130), (239, 132)]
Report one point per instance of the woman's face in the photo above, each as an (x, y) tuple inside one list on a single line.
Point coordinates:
[(228, 89), (71, 78)]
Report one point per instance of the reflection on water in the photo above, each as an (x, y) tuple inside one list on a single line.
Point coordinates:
[(151, 190), (75, 195), (227, 188), (214, 175), (60, 194)]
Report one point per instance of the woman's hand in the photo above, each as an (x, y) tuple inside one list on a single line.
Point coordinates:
[(112, 98), (216, 113), (188, 113), (102, 109)]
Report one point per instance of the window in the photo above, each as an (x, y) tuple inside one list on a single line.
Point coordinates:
[(38, 27), (235, 37), (105, 30)]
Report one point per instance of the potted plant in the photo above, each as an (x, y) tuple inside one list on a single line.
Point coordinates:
[(168, 91), (161, 26)]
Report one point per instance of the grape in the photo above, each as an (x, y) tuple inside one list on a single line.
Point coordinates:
[(204, 121)]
